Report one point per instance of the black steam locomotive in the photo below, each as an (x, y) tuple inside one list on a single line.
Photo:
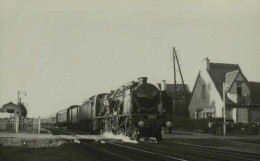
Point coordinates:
[(133, 109)]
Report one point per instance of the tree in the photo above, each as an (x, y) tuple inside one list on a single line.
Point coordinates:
[(23, 109)]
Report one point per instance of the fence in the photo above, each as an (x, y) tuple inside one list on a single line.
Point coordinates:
[(27, 125)]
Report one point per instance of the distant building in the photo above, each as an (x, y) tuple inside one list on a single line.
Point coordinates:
[(11, 108), (242, 97), (176, 103)]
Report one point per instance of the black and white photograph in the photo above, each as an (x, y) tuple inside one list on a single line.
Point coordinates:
[(129, 80)]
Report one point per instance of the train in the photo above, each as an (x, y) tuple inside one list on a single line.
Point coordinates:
[(136, 109)]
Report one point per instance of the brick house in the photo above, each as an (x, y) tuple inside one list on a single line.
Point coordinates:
[(242, 102)]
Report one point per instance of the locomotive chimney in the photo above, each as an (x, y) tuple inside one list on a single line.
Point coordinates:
[(142, 80), (163, 85)]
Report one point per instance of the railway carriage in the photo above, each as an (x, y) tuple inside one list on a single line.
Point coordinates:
[(68, 117), (61, 118)]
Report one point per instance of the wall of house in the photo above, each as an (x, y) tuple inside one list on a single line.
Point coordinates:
[(232, 94), (16, 109), (211, 103)]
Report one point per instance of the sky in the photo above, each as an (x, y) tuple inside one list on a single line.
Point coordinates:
[(62, 52)]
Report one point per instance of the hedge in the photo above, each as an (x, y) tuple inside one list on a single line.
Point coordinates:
[(201, 125)]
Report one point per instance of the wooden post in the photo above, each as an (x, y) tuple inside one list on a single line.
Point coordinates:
[(258, 128), (39, 125), (17, 124)]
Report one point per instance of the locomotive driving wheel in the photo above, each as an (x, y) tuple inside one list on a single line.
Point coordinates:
[(135, 134), (159, 136), (121, 131), (101, 131)]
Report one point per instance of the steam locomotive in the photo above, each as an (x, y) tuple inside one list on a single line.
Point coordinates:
[(134, 109)]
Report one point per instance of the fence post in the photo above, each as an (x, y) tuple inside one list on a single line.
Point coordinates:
[(258, 128), (39, 125), (16, 124)]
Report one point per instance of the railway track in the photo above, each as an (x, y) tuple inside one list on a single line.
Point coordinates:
[(221, 153), (118, 151), (163, 151), (193, 152)]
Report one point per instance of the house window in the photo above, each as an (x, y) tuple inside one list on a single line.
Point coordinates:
[(203, 91), (210, 114), (239, 89), (200, 114)]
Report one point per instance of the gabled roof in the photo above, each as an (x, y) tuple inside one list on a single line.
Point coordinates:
[(230, 77), (10, 103), (218, 73), (255, 91)]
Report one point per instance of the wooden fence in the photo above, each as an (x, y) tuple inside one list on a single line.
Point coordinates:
[(26, 125)]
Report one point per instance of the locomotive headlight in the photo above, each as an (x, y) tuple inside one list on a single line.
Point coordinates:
[(168, 124), (140, 123)]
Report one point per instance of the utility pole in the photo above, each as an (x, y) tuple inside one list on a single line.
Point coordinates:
[(18, 97), (175, 59), (175, 86)]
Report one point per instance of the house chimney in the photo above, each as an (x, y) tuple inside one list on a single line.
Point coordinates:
[(142, 80), (163, 85), (206, 63)]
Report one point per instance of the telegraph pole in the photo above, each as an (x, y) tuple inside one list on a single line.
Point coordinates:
[(175, 86), (175, 58)]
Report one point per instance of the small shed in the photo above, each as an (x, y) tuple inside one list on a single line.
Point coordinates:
[(11, 108)]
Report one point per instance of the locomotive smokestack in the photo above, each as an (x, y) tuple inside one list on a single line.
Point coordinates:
[(163, 86), (142, 80)]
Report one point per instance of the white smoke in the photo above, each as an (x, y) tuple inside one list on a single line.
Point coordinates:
[(119, 137)]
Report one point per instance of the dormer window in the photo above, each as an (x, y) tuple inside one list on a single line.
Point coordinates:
[(239, 89), (203, 91)]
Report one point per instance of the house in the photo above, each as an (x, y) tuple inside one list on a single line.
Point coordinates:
[(176, 101), (241, 96), (11, 108)]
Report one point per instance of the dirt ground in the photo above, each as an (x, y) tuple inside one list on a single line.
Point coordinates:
[(65, 152), (247, 143)]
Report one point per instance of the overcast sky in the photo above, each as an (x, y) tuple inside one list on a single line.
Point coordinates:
[(63, 51)]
